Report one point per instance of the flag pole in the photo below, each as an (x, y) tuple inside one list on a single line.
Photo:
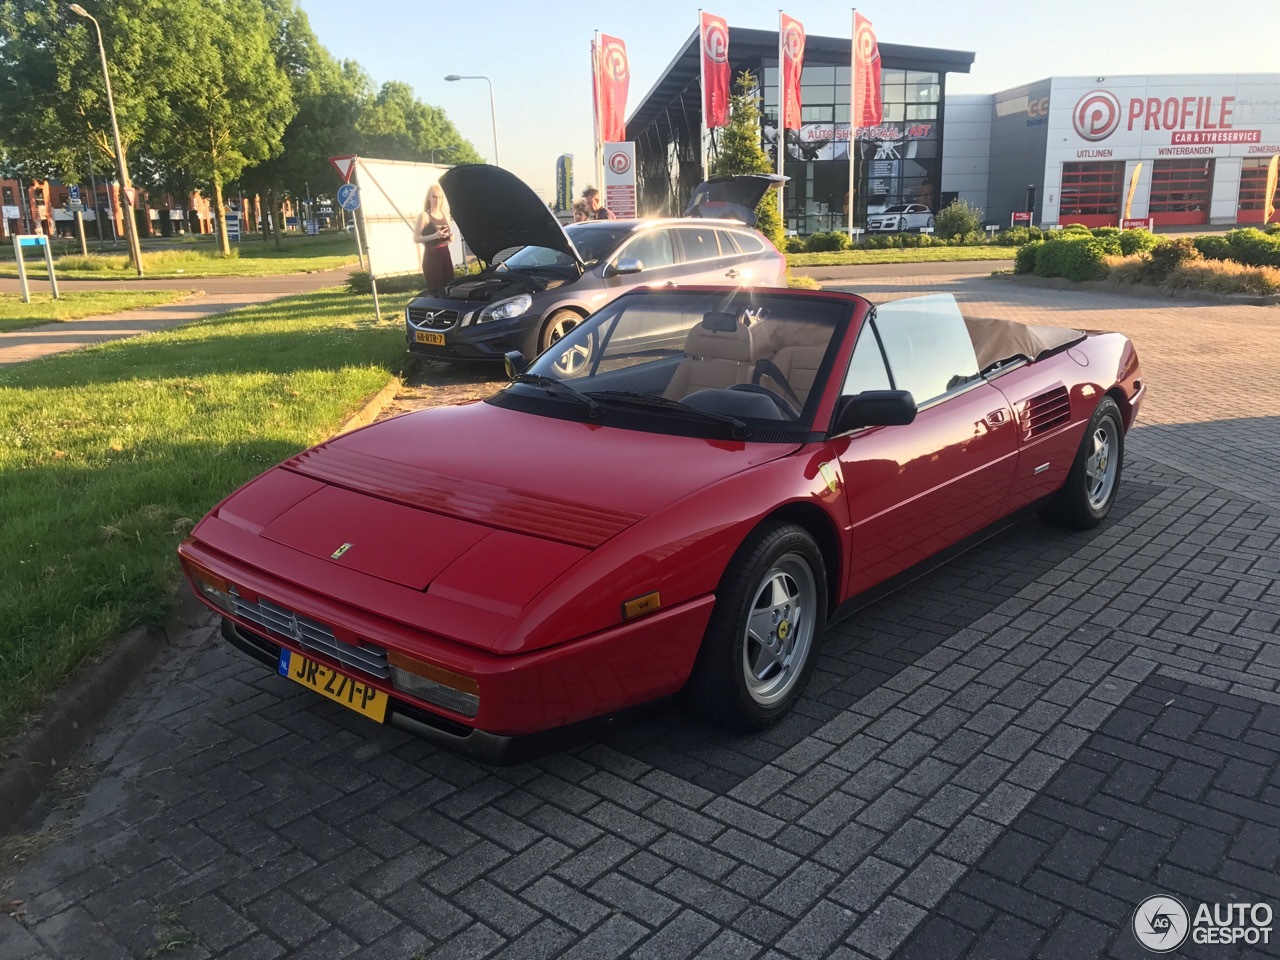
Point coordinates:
[(598, 169), (780, 140), (702, 109), (853, 122)]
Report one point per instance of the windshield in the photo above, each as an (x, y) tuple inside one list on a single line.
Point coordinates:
[(593, 243), (896, 208), (736, 364)]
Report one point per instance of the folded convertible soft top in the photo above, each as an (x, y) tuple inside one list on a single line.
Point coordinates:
[(998, 340)]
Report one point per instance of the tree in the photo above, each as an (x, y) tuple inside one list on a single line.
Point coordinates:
[(53, 101), (741, 153), (398, 126), (957, 219), (228, 97)]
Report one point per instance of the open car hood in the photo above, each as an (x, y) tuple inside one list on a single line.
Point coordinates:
[(734, 198), (496, 210)]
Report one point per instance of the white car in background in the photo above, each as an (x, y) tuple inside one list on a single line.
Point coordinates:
[(900, 218)]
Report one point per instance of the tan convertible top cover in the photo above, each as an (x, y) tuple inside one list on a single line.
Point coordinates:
[(997, 340)]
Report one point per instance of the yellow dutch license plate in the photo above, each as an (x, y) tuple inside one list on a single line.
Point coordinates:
[(435, 339), (360, 697)]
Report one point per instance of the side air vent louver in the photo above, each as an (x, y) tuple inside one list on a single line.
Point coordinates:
[(1047, 411)]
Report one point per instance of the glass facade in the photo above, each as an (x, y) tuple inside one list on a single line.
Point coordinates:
[(897, 162)]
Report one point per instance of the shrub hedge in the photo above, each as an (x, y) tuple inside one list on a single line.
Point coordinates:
[(1024, 261), (1076, 256)]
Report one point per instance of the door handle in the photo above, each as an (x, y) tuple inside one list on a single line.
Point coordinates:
[(996, 417), (732, 274)]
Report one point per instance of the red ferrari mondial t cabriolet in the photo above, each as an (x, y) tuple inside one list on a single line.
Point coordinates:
[(722, 474)]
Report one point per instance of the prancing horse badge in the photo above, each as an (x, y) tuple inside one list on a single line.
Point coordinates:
[(340, 551)]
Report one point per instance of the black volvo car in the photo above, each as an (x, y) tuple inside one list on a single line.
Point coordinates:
[(541, 279)]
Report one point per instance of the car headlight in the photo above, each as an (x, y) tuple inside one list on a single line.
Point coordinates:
[(506, 309)]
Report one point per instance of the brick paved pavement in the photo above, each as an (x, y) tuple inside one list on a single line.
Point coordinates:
[(1001, 760)]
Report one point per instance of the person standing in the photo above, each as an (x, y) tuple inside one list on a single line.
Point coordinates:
[(595, 206), (433, 233)]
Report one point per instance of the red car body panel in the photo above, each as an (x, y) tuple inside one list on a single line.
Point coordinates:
[(502, 545)]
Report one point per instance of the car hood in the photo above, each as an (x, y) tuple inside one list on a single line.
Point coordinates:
[(475, 506), (496, 210)]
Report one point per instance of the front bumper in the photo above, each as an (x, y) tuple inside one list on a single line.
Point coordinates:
[(581, 683), (466, 339)]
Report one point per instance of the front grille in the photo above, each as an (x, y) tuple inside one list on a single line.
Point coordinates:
[(425, 319), (312, 635)]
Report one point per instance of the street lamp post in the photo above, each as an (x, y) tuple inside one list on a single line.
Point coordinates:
[(493, 114), (122, 167)]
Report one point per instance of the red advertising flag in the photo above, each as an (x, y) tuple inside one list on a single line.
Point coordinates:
[(867, 109), (613, 79), (791, 54), (715, 71)]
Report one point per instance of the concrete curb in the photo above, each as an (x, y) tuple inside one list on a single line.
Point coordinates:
[(33, 755), (1138, 290), (370, 409)]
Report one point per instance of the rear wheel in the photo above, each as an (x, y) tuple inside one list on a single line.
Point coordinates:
[(759, 650), (1090, 488), (574, 358)]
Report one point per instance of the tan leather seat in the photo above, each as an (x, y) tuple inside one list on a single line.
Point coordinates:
[(797, 359), (714, 359)]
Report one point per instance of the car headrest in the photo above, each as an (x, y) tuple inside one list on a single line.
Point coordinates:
[(737, 345)]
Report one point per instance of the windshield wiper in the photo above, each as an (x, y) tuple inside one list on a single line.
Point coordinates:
[(739, 429), (560, 389)]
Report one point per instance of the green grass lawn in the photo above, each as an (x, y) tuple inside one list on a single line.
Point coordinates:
[(250, 258), (842, 258), (14, 314), (109, 455)]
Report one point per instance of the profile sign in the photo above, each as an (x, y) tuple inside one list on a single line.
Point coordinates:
[(25, 242)]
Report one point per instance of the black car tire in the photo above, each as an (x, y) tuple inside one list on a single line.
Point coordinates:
[(781, 553), (1087, 495)]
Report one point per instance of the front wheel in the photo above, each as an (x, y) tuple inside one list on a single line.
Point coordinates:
[(759, 650), (1091, 487), (574, 358)]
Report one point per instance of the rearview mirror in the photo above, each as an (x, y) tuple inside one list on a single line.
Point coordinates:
[(875, 408), (515, 363), (625, 265)]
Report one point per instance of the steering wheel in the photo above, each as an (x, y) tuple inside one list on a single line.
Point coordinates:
[(785, 406)]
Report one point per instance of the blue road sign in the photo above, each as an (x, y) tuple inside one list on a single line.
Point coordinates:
[(73, 194), (32, 240), (348, 196)]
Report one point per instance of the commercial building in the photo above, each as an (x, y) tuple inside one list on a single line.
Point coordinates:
[(899, 161), (1066, 148)]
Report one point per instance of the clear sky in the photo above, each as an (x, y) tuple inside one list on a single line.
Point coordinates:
[(538, 53)]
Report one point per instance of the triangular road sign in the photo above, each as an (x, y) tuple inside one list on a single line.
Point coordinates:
[(345, 166)]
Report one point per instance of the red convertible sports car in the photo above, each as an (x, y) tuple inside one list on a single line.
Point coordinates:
[(731, 471)]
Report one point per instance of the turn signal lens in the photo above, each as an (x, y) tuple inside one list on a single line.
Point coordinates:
[(641, 605), (212, 587), (426, 681)]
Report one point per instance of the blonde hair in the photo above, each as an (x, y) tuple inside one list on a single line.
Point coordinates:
[(444, 201)]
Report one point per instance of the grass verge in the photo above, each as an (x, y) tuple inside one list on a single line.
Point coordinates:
[(108, 456), (843, 258), (250, 258), (14, 314)]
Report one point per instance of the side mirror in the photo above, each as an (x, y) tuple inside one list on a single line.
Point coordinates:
[(515, 363), (874, 408), (625, 265)]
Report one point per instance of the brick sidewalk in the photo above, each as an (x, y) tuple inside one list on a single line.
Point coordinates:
[(1001, 760)]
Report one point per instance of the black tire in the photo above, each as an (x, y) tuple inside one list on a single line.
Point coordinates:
[(718, 687), (556, 326), (1081, 503)]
